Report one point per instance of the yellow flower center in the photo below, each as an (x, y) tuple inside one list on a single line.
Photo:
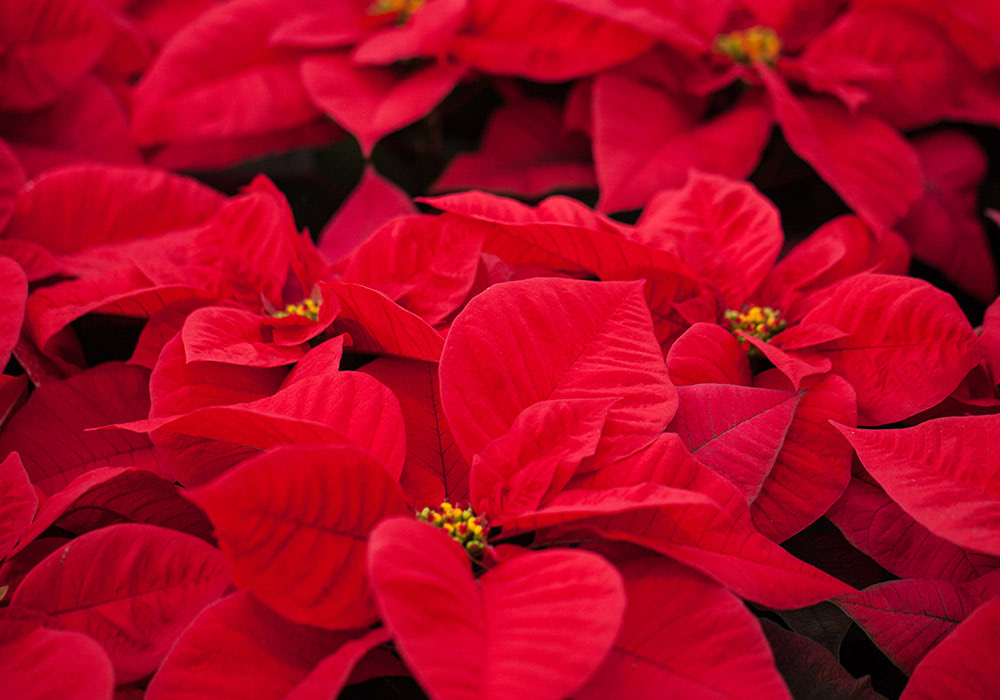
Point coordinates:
[(753, 44), (759, 321), (402, 9), (307, 309), (463, 526)]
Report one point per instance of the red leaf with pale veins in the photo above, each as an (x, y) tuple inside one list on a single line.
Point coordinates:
[(943, 226), (46, 663), (233, 336), (294, 530), (684, 636), (218, 78), (75, 207), (809, 669), (50, 431), (239, 648), (872, 167), (737, 431), (547, 618), (814, 465), (708, 354), (132, 587), (713, 537), (19, 503), (964, 665), (908, 345), (334, 407), (523, 342), (108, 496), (525, 151), (532, 462), (945, 473), (724, 229), (879, 527), (908, 618), (544, 41), (48, 45), (372, 203), (434, 470), (378, 325), (370, 102), (427, 264)]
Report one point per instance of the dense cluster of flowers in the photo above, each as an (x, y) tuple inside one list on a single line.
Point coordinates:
[(485, 442)]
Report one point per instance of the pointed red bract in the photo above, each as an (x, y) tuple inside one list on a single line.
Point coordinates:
[(867, 162), (523, 342), (907, 618), (964, 664), (373, 202), (238, 647), (50, 431), (46, 663), (539, 623), (434, 470), (132, 587), (945, 473), (697, 641), (293, 526), (708, 354), (427, 264), (738, 431), (908, 345), (724, 229)]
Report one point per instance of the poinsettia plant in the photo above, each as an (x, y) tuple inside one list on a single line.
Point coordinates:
[(540, 349)]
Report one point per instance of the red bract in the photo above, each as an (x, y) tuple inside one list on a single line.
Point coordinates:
[(39, 663), (132, 587), (537, 625)]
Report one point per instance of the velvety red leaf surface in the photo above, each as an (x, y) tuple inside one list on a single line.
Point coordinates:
[(335, 671), (71, 208), (238, 647), (14, 286), (218, 78), (426, 264), (515, 472), (50, 431), (907, 618), (45, 663), (868, 163), (19, 503), (738, 431), (132, 587), (963, 664), (879, 527), (724, 229), (523, 342), (700, 641), (543, 621), (106, 496), (943, 473), (11, 180), (708, 354), (908, 344), (291, 524), (373, 202)]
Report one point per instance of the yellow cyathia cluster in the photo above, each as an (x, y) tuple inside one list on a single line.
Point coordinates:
[(462, 525), (307, 309), (759, 321), (753, 44), (402, 8)]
